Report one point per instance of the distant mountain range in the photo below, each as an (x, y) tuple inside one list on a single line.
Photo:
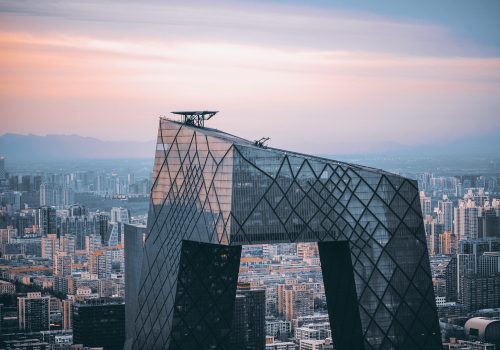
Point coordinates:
[(60, 147), (488, 144), (55, 147)]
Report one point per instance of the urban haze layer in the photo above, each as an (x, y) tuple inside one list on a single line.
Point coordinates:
[(64, 227)]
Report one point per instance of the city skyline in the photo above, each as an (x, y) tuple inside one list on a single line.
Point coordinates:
[(358, 207), (109, 70), (71, 233)]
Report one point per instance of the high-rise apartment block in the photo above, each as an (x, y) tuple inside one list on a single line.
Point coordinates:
[(34, 312), (299, 301), (100, 263), (62, 264), (445, 213), (99, 323), (47, 220), (50, 246), (92, 243), (425, 204)]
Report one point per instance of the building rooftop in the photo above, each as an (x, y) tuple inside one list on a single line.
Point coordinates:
[(239, 141)]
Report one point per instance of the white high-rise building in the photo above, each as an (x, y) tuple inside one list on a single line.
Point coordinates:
[(51, 195), (62, 264), (119, 214), (425, 204), (93, 243), (7, 234), (467, 215), (445, 207)]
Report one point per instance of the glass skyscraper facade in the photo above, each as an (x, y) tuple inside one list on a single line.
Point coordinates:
[(214, 192)]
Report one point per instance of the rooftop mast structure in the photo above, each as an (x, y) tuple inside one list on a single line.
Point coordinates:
[(196, 118)]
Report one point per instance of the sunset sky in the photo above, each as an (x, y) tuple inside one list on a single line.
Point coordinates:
[(318, 77)]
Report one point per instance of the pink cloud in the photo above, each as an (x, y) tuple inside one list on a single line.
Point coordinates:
[(90, 80)]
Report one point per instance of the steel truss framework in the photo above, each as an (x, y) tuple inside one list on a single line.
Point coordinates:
[(214, 192)]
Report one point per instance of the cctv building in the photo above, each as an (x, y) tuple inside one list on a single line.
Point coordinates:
[(214, 192)]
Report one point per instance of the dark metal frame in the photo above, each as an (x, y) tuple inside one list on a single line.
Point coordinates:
[(196, 118)]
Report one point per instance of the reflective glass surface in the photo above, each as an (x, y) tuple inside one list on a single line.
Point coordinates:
[(211, 187)]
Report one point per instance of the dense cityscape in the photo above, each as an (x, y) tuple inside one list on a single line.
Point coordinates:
[(62, 266), (249, 175)]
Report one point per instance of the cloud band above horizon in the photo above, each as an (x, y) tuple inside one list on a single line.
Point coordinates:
[(308, 78)]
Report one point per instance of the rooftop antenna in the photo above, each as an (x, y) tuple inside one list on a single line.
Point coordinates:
[(261, 142), (196, 118)]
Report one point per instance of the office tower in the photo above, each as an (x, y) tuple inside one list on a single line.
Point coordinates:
[(34, 312), (3, 174), (119, 217), (62, 264), (113, 234), (99, 323), (214, 192), (47, 220), (13, 182), (25, 183), (451, 280), (119, 214), (248, 329), (101, 226), (134, 243), (490, 223), (239, 334)]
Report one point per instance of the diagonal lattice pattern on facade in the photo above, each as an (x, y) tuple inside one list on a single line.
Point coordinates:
[(223, 192)]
